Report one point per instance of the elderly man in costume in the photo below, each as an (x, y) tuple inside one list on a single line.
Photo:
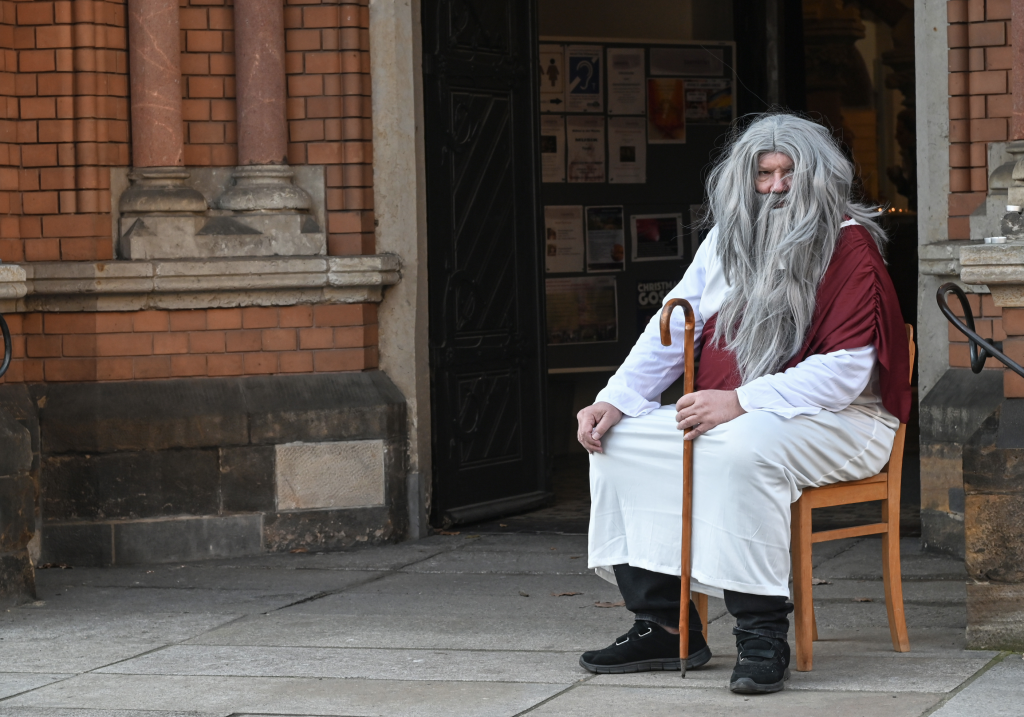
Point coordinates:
[(801, 383)]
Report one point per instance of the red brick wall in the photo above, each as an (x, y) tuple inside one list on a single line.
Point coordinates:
[(980, 103), (114, 346), (988, 322), (328, 66), (71, 124)]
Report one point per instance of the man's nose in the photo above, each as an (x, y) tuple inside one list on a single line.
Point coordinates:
[(780, 183)]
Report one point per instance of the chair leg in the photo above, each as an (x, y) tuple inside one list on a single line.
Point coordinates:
[(803, 600), (701, 601), (893, 580)]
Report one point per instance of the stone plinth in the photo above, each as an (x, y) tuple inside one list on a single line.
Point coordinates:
[(992, 468), (17, 512)]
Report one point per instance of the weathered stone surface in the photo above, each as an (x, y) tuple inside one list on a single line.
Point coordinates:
[(247, 479), (130, 484), (950, 413), (183, 539), (85, 544), (328, 529), (323, 407), (995, 616), (995, 537), (17, 510), (337, 474), (17, 579), (143, 416), (15, 446)]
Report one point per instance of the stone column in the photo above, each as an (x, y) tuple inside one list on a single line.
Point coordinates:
[(262, 179), (993, 481), (158, 145)]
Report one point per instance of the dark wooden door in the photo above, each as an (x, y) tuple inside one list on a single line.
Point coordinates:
[(484, 262)]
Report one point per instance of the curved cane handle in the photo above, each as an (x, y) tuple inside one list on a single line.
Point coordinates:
[(666, 336)]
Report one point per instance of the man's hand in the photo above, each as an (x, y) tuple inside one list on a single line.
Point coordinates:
[(594, 422), (699, 412)]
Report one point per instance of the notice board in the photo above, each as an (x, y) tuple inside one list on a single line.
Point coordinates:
[(628, 133)]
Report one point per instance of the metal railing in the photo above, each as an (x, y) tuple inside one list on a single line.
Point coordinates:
[(980, 348), (7, 346)]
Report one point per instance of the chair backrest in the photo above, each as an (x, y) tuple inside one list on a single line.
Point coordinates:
[(913, 349)]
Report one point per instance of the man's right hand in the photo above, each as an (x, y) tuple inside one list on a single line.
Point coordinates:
[(594, 422)]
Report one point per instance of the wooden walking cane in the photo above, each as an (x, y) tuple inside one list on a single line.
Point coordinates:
[(684, 574)]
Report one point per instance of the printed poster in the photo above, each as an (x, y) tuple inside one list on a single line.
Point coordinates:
[(666, 111), (582, 310), (708, 101), (552, 148), (552, 78), (650, 295), (606, 239), (625, 80), (689, 61), (584, 85), (627, 150), (657, 237), (563, 239), (585, 147)]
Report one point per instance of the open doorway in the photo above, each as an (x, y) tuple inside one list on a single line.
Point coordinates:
[(614, 232)]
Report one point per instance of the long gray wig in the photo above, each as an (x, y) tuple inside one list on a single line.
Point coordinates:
[(775, 248)]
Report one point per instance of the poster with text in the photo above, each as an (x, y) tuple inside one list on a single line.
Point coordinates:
[(584, 85), (585, 147), (666, 111), (657, 237), (552, 148), (625, 80), (552, 78), (650, 295), (582, 310), (708, 101), (563, 239), (688, 61), (606, 239), (627, 150)]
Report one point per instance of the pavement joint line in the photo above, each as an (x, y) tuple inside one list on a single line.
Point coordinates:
[(383, 574), (25, 692), (555, 696), (966, 683)]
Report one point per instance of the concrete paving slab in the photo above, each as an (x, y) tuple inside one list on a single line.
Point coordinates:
[(290, 695), (591, 699), (846, 614), (998, 692), (871, 641), (481, 561), (72, 656), (52, 627), (382, 557), (914, 591), (514, 543), (863, 561), (56, 712), (370, 664), (11, 683), (145, 600), (225, 577)]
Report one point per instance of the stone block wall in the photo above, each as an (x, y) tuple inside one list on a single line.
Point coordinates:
[(120, 345)]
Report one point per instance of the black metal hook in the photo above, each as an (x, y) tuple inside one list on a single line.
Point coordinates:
[(7, 346), (980, 348)]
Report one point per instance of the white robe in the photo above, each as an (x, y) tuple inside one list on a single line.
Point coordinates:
[(820, 422)]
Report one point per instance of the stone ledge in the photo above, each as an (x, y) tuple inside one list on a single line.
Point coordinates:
[(190, 284), (940, 258)]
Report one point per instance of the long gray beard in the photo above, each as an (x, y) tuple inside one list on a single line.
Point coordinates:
[(765, 318)]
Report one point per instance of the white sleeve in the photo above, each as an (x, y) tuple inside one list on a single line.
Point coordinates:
[(650, 367), (827, 382)]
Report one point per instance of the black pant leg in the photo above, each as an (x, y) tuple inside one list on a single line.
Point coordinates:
[(766, 615), (653, 596)]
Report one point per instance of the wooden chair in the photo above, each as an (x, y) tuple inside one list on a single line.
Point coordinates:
[(884, 487)]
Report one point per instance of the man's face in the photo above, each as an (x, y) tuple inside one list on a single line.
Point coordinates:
[(774, 173)]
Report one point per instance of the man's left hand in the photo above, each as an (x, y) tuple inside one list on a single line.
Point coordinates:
[(699, 412)]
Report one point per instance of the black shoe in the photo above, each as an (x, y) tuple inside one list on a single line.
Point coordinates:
[(762, 664), (646, 647)]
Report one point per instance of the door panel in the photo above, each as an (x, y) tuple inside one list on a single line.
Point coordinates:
[(484, 262)]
